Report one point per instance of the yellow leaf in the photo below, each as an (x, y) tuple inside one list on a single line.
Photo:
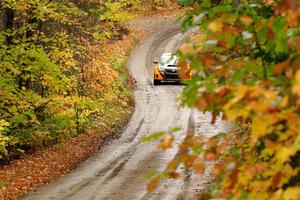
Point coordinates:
[(260, 194), (287, 173), (215, 26), (277, 195), (283, 154), (233, 114), (292, 193), (284, 102), (258, 106), (259, 127), (296, 87), (240, 92), (247, 20)]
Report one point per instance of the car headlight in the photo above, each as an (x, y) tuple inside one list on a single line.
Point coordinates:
[(161, 70)]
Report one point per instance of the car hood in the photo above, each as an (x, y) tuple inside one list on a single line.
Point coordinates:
[(168, 67)]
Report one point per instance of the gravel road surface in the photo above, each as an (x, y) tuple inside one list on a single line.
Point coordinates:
[(117, 171)]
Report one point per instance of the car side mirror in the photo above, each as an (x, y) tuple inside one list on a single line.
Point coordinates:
[(155, 62)]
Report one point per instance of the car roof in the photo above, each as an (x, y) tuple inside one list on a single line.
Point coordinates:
[(168, 58), (167, 54)]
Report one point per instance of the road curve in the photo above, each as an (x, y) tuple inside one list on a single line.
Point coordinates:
[(117, 171)]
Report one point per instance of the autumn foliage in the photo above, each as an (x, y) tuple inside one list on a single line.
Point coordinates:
[(53, 86), (246, 64)]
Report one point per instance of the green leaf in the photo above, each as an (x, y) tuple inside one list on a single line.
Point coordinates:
[(219, 9), (237, 76), (151, 175), (153, 136), (175, 129)]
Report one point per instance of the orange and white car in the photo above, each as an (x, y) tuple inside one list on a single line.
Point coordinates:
[(168, 69)]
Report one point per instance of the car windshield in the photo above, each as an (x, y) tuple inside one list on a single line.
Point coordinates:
[(168, 59)]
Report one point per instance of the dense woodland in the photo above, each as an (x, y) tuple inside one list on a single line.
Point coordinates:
[(51, 87)]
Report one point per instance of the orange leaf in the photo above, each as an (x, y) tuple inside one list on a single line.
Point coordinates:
[(166, 142), (298, 45), (174, 175), (261, 168), (250, 171), (189, 162), (210, 156), (222, 43), (198, 166), (153, 183), (213, 117), (213, 142), (217, 169), (201, 104), (230, 181), (184, 71), (208, 60), (276, 179), (186, 49), (172, 164), (270, 34)]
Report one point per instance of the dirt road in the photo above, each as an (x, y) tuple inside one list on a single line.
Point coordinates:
[(118, 170)]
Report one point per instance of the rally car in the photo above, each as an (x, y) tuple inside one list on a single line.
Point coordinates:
[(167, 69)]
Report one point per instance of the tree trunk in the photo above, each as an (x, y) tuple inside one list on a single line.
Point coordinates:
[(1, 16), (9, 23)]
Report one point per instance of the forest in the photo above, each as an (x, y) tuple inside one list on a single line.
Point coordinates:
[(245, 57), (52, 89)]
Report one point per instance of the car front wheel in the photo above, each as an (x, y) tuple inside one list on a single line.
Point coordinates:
[(156, 82)]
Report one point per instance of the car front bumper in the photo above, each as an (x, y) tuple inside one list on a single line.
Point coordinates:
[(168, 75)]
